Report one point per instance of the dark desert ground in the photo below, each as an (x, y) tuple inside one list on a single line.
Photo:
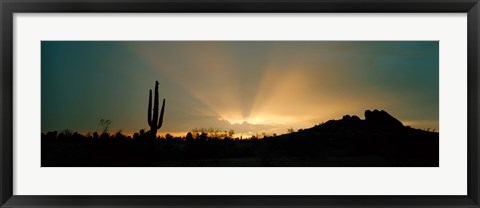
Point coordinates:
[(379, 140)]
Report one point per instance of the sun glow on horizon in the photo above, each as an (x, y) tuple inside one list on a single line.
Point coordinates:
[(253, 120)]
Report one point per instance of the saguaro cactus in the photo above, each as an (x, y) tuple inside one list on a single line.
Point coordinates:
[(156, 121)]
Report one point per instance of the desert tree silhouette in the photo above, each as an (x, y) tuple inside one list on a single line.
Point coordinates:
[(104, 124)]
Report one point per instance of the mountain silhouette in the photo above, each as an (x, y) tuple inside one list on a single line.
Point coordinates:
[(375, 123), (379, 136)]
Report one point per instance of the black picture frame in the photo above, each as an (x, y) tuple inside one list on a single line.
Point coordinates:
[(9, 7)]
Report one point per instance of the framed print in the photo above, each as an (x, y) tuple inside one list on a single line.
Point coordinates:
[(245, 104)]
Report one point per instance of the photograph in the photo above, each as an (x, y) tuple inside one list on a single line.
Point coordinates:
[(239, 103)]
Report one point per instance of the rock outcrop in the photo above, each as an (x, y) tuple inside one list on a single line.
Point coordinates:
[(382, 119)]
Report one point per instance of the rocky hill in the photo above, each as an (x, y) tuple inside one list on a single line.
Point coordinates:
[(379, 139)]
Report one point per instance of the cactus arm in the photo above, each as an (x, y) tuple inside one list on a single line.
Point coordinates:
[(155, 107), (149, 108), (160, 120)]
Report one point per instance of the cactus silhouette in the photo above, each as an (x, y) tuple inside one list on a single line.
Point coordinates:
[(156, 121)]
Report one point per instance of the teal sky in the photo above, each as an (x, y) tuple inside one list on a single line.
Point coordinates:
[(249, 86)]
